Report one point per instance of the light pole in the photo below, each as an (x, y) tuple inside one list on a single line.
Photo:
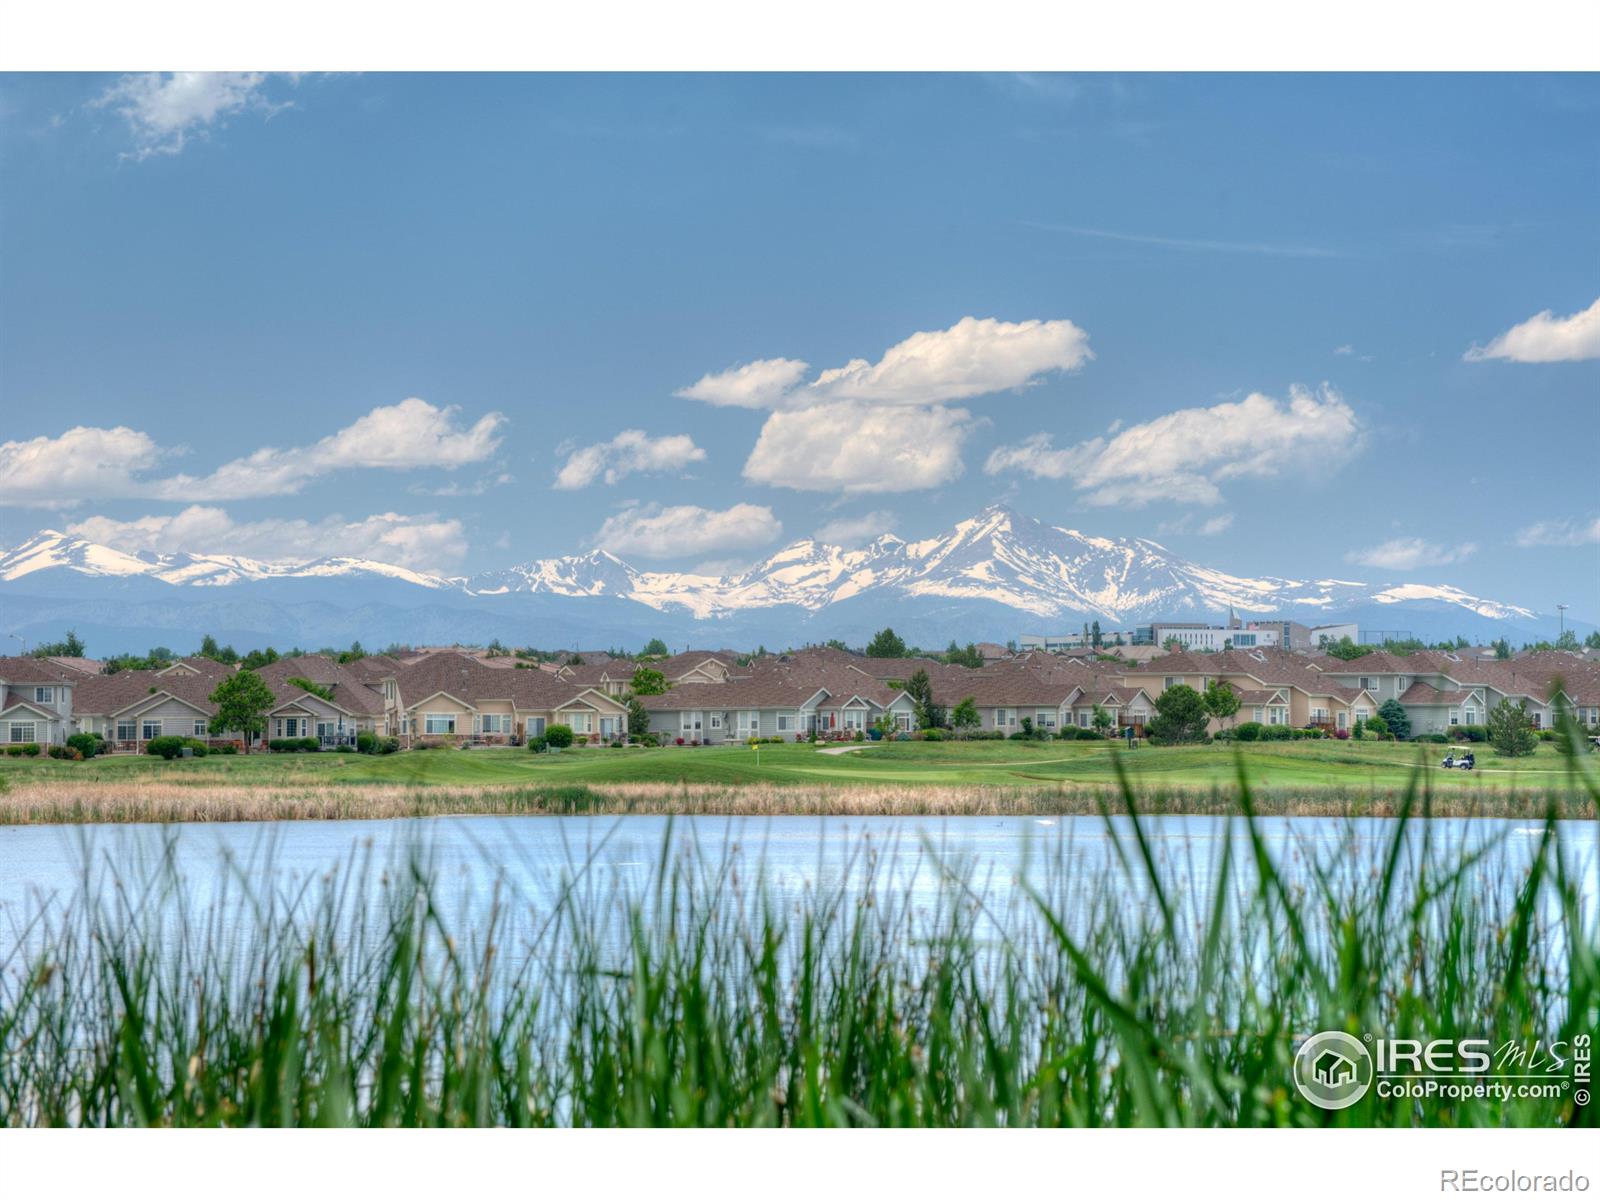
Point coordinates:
[(24, 642), (1561, 610)]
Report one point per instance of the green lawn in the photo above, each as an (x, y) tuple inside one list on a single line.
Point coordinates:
[(1293, 765)]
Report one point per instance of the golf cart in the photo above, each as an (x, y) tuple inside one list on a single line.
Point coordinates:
[(1460, 758)]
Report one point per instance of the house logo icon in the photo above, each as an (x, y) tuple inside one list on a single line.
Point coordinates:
[(1332, 1069)]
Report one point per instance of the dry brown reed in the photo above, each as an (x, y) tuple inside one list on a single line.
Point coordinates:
[(93, 801)]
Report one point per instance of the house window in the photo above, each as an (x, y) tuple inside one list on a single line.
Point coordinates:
[(200, 729), (535, 726), (1003, 716), (1469, 716), (44, 695), (1044, 719), (716, 720), (785, 722), (150, 729), (1344, 718), (854, 718), (1174, 680), (496, 723), (1368, 683), (1401, 683), (903, 721), (126, 731), (1362, 714), (749, 723), (22, 731), (1255, 715), (1277, 715), (326, 730), (439, 723), (689, 725), (608, 727), (1319, 716), (1084, 716), (1455, 718), (582, 722)]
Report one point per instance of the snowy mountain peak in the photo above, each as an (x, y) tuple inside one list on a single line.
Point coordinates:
[(998, 557)]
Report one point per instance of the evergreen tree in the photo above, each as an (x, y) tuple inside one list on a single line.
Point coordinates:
[(920, 691), (654, 648), (1394, 716), (638, 718), (1181, 716), (1510, 731), (1094, 634), (1502, 648), (886, 644), (1592, 642)]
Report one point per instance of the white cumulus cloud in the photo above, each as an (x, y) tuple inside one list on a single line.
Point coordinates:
[(853, 447), (1408, 553), (410, 434), (84, 462), (972, 358), (423, 542), (1184, 456), (1546, 338), (1579, 532), (885, 426), (854, 531), (759, 384), (685, 530), (630, 451), (165, 109)]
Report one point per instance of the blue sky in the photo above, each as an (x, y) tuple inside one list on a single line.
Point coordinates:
[(1303, 325)]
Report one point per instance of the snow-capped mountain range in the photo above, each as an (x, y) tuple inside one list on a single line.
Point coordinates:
[(991, 576)]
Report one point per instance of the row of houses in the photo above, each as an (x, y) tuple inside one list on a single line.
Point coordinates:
[(715, 696)]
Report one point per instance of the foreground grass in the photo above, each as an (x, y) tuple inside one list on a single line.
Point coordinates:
[(704, 998), (1314, 778)]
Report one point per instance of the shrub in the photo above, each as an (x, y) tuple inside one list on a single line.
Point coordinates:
[(389, 745), (227, 748), (1378, 726), (1438, 739), (559, 736), (1021, 735), (1342, 734), (1277, 733), (1067, 733), (169, 746), (13, 751), (1250, 731), (30, 749), (86, 744), (345, 749), (196, 747), (931, 735), (367, 742)]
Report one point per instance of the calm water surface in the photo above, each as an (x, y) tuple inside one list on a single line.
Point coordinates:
[(525, 863)]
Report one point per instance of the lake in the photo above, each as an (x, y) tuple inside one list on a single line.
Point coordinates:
[(522, 865)]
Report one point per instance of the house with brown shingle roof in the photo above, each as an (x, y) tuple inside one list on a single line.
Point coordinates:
[(36, 700), (779, 699), (455, 697)]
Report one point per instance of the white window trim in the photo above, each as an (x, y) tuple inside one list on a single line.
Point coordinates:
[(44, 695), (19, 737), (429, 718)]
